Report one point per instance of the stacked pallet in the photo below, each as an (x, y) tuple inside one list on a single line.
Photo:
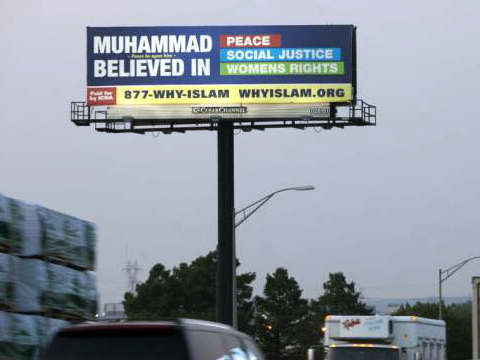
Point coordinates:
[(47, 278)]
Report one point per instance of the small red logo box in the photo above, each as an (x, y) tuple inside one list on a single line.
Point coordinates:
[(101, 96)]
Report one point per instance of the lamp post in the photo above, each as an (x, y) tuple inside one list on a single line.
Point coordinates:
[(443, 275), (248, 211), (257, 204)]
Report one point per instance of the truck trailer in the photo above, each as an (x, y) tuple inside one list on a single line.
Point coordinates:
[(384, 338)]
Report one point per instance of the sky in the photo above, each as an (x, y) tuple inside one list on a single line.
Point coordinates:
[(392, 205)]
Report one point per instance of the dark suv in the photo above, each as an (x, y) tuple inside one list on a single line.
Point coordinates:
[(163, 340)]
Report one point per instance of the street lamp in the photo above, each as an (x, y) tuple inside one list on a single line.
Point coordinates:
[(443, 275), (248, 211), (257, 204)]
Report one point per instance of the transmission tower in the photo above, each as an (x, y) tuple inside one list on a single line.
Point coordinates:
[(132, 270)]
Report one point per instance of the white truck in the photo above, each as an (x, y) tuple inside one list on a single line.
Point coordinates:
[(384, 338)]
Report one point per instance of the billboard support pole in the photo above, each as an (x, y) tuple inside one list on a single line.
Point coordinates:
[(226, 225)]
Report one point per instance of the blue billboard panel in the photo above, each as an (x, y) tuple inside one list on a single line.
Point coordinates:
[(214, 64)]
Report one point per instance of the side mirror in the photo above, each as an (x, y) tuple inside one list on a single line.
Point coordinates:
[(311, 354)]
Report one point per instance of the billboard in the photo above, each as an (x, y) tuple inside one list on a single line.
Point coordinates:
[(221, 65)]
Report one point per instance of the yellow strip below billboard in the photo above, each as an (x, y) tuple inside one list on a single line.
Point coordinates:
[(229, 94)]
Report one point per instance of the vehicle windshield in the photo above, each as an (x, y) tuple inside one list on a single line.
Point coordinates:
[(360, 353), (117, 346)]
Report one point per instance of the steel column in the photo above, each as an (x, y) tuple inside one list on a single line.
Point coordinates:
[(226, 301)]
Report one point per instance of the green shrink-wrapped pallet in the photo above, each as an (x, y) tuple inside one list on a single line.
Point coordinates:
[(23, 336), (91, 244), (15, 229), (66, 292), (4, 224), (24, 227), (47, 288), (28, 332), (91, 308), (8, 271), (7, 344), (63, 237), (30, 285), (35, 231)]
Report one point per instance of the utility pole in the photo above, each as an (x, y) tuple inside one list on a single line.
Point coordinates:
[(440, 299), (476, 317), (444, 275)]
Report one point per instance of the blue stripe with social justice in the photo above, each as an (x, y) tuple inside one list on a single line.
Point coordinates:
[(280, 54)]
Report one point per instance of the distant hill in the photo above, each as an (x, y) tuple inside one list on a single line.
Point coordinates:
[(388, 306)]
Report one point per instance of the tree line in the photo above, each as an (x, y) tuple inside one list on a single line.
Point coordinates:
[(282, 321)]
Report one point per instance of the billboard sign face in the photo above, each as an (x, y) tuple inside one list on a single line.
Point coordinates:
[(220, 65)]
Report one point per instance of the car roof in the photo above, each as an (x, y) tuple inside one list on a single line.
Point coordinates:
[(112, 326), (191, 324), (204, 325)]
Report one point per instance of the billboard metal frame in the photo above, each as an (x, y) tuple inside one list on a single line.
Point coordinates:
[(359, 113)]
